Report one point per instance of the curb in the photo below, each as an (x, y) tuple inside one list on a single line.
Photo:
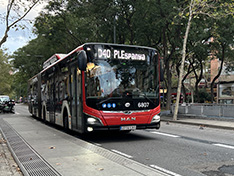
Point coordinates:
[(198, 124)]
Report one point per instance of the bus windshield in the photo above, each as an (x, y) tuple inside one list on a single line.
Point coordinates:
[(113, 82)]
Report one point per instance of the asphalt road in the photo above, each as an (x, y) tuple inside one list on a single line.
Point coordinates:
[(182, 149)]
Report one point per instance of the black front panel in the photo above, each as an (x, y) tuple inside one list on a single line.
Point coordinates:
[(122, 104)]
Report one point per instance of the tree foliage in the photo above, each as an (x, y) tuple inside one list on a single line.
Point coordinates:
[(16, 11), (212, 8), (222, 44), (5, 74), (66, 24)]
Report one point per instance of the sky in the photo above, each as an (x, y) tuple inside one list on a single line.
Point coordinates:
[(20, 38)]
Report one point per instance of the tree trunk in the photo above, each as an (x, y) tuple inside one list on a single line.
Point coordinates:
[(192, 96), (19, 18), (4, 38), (168, 106), (198, 79), (166, 68), (184, 78), (219, 73), (183, 60)]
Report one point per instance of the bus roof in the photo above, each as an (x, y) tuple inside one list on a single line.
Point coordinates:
[(66, 55), (53, 59), (123, 45)]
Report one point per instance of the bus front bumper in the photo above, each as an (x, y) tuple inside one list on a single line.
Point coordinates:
[(156, 125)]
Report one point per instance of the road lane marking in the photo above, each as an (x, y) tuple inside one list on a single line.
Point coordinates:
[(121, 153), (164, 170), (165, 134), (224, 145)]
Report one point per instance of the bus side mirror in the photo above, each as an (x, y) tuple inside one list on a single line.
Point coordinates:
[(82, 60)]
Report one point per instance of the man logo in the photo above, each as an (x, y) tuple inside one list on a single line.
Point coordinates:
[(127, 105), (128, 118)]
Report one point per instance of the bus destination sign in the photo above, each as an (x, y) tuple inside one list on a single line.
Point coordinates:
[(120, 54)]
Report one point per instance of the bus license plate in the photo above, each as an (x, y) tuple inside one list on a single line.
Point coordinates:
[(122, 128)]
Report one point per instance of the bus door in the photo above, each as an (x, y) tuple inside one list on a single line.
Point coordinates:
[(52, 102), (74, 99), (80, 121), (39, 96)]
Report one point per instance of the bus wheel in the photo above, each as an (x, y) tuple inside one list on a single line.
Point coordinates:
[(65, 121), (44, 114)]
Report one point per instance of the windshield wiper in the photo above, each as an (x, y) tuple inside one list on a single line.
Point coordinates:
[(103, 101), (144, 95)]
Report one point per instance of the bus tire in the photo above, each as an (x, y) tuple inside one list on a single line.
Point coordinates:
[(44, 114), (65, 120)]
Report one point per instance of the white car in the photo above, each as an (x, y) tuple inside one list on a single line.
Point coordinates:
[(4, 98)]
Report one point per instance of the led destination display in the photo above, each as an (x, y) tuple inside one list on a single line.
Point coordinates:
[(120, 54)]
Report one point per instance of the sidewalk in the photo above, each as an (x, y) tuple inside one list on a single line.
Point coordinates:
[(204, 122), (8, 166)]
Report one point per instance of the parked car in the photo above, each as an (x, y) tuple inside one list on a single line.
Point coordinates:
[(6, 104)]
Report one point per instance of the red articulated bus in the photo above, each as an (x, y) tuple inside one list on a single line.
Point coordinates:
[(99, 86)]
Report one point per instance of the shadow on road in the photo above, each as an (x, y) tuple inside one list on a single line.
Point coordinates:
[(115, 136)]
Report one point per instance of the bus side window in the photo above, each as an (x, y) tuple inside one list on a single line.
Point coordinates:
[(56, 91), (60, 91), (65, 88)]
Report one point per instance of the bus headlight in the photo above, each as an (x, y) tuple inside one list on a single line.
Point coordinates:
[(93, 121), (155, 119), (89, 129)]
